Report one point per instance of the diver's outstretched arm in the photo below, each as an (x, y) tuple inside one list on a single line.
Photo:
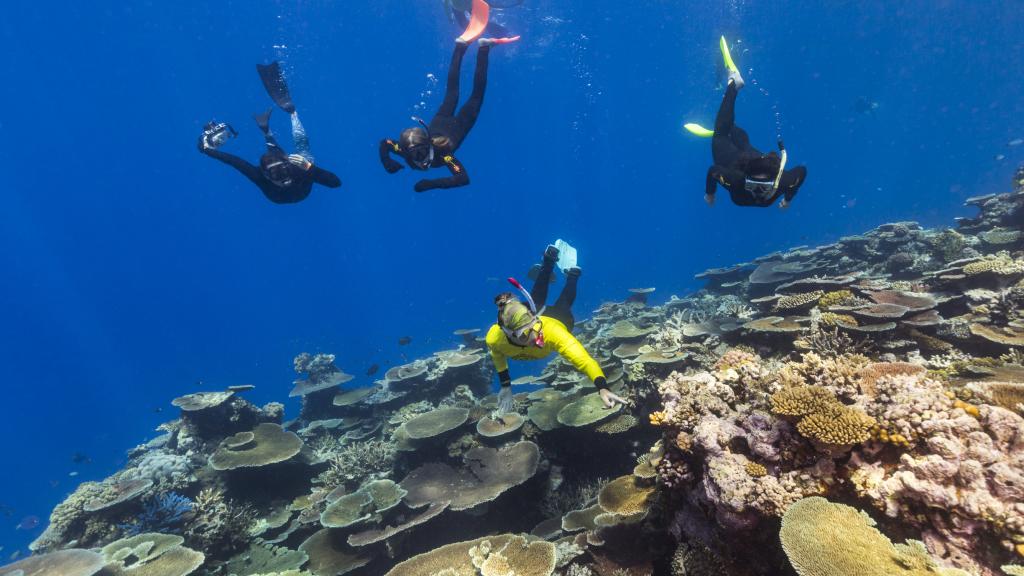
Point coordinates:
[(727, 177), (248, 170), (791, 182), (387, 147), (458, 177), (325, 177)]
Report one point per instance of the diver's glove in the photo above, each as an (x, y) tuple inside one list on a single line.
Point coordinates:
[(710, 199), (300, 161), (506, 403)]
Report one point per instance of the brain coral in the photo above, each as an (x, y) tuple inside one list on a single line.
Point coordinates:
[(821, 538)]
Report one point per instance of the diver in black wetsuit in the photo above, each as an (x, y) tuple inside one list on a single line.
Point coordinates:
[(751, 177), (748, 174), (283, 178), (434, 146)]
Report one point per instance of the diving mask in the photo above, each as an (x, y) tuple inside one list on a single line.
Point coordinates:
[(760, 189), (526, 327), (277, 172), (422, 155)]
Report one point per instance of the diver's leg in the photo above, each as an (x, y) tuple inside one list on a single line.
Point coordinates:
[(568, 296), (471, 109), (451, 92), (263, 121), (300, 138), (727, 111), (543, 281)]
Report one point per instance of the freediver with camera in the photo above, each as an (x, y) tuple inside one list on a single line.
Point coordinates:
[(283, 178)]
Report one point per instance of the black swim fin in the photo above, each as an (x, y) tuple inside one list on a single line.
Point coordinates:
[(263, 120), (276, 87)]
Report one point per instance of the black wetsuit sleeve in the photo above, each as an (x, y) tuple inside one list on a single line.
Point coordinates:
[(387, 147), (324, 177), (791, 182), (248, 170), (727, 177), (505, 378), (458, 177)]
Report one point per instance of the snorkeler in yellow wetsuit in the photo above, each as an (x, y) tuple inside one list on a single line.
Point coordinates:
[(524, 333)]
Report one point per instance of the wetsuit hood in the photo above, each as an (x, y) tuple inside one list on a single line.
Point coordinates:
[(765, 167), (416, 148)]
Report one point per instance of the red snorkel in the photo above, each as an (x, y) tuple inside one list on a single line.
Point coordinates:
[(539, 340)]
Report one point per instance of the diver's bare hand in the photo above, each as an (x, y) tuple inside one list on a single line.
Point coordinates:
[(300, 161), (610, 399), (784, 205), (506, 402), (710, 199)]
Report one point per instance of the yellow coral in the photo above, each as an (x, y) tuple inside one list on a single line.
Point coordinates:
[(970, 409), (801, 400), (756, 470), (658, 418), (1001, 265), (833, 319), (837, 426), (821, 538), (836, 298)]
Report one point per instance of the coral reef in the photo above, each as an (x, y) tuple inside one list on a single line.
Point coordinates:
[(883, 371)]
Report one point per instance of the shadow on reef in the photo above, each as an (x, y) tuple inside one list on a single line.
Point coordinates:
[(797, 415)]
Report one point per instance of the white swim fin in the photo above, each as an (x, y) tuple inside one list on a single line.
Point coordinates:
[(566, 255)]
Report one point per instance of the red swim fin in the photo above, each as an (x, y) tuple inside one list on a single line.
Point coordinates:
[(477, 22)]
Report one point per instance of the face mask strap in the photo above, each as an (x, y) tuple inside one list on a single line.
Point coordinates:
[(430, 141)]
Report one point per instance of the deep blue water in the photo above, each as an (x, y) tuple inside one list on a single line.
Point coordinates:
[(133, 267)]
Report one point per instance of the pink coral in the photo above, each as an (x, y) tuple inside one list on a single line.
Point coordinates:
[(967, 478)]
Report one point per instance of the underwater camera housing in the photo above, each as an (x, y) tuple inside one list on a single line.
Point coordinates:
[(215, 134)]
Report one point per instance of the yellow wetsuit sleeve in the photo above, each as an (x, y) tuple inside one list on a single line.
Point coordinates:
[(494, 337), (570, 348)]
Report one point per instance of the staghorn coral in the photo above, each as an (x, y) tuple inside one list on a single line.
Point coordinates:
[(838, 374), (358, 460), (218, 523)]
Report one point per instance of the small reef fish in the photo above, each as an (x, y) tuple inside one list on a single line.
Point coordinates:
[(404, 341), (73, 474), (28, 523), (372, 370), (16, 555), (1015, 142), (80, 458)]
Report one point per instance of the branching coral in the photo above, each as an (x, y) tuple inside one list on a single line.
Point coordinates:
[(358, 460)]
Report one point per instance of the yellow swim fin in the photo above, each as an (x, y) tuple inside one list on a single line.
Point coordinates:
[(729, 64), (698, 130)]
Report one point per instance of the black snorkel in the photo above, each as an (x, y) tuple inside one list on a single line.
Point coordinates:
[(423, 165)]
